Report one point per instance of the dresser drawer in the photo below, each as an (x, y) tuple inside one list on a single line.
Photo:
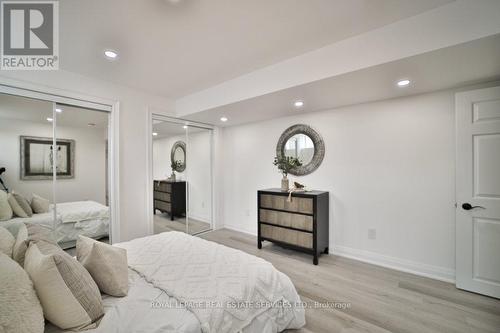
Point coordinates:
[(163, 196), (288, 236), (299, 205), (163, 187), (298, 221), (165, 206)]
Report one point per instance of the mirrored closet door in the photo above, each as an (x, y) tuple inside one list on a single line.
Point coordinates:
[(182, 176), (54, 168)]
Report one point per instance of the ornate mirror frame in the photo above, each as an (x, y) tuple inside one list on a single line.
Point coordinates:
[(319, 148), (176, 145)]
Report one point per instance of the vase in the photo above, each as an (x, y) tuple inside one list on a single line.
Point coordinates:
[(284, 184), (172, 177)]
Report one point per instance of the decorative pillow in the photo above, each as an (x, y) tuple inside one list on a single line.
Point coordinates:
[(16, 208), (6, 242), (20, 308), (23, 202), (106, 264), (30, 233), (39, 205), (5, 209), (70, 298)]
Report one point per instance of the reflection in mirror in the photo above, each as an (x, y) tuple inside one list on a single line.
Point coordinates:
[(300, 146), (78, 157), (182, 183), (82, 186)]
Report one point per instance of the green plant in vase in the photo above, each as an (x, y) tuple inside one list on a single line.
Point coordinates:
[(285, 164), (175, 165)]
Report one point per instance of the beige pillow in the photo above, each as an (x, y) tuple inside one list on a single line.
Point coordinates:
[(7, 241), (20, 309), (70, 298), (23, 202), (106, 264), (5, 209), (16, 208), (30, 233), (39, 205)]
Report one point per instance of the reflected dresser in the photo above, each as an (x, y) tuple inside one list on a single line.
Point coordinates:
[(301, 224), (169, 197)]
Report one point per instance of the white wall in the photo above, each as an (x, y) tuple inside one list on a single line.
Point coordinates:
[(134, 122), (197, 173), (90, 165), (388, 165)]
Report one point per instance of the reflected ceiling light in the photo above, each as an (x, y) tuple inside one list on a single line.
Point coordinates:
[(58, 110), (155, 134), (185, 126), (298, 104), (223, 119), (110, 54), (50, 120), (403, 83)]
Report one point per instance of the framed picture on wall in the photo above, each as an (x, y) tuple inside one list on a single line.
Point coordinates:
[(37, 155)]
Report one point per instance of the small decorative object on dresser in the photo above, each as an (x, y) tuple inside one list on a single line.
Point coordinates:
[(285, 164), (301, 224), (170, 197)]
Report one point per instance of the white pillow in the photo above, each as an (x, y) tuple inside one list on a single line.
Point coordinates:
[(5, 209), (20, 309), (106, 264), (30, 233), (39, 205), (16, 208), (7, 241), (70, 298)]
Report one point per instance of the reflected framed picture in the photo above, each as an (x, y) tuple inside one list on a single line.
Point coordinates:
[(37, 156)]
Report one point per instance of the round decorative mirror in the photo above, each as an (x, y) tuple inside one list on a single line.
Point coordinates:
[(305, 144), (178, 156)]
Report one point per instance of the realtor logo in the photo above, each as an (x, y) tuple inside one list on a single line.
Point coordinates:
[(30, 38)]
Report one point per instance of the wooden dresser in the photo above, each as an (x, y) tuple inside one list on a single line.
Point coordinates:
[(170, 197), (302, 224)]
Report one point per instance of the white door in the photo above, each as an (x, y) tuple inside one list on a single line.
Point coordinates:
[(478, 191)]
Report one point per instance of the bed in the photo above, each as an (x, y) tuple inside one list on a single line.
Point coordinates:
[(170, 273), (87, 218)]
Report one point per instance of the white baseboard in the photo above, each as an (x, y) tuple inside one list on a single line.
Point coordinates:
[(430, 271), (408, 266)]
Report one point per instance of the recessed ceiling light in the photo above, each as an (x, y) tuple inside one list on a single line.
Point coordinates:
[(223, 119), (110, 54), (298, 104), (91, 124), (50, 120), (155, 134), (58, 110), (403, 83)]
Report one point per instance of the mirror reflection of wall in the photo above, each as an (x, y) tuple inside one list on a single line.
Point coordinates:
[(300, 146), (79, 205)]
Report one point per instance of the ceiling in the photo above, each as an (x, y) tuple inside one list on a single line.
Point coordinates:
[(174, 48), (460, 65), (33, 110)]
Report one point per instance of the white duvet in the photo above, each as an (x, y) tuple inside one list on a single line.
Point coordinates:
[(78, 211), (227, 290)]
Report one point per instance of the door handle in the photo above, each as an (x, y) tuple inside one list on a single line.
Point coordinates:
[(468, 206)]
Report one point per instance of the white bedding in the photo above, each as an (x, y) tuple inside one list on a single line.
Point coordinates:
[(199, 272), (149, 309), (87, 218), (78, 211)]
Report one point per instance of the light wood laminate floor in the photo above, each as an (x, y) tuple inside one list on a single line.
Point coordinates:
[(163, 223), (381, 299)]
